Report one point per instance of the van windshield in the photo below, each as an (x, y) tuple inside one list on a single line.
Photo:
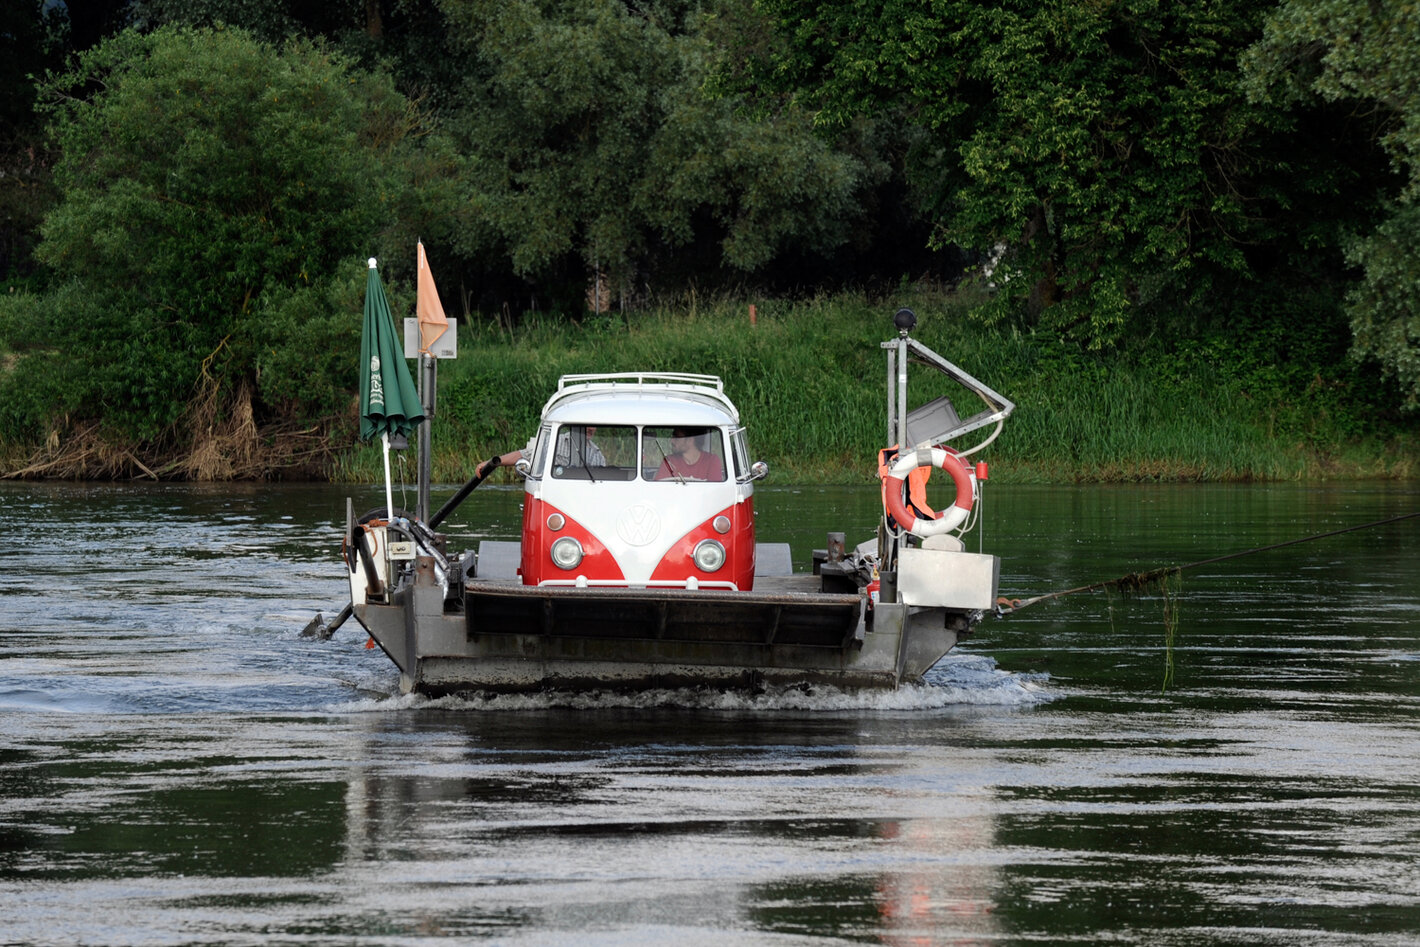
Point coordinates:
[(594, 452), (682, 454)]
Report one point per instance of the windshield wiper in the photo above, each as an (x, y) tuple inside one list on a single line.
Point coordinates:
[(670, 466)]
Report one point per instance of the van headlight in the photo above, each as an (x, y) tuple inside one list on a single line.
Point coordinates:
[(566, 553), (709, 555)]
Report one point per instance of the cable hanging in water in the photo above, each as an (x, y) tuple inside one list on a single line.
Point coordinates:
[(1139, 581)]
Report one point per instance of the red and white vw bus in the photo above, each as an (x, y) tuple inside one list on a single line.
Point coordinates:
[(639, 480)]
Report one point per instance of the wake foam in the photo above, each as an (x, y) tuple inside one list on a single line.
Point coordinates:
[(959, 680)]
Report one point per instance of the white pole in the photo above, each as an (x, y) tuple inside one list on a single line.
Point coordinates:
[(389, 486)]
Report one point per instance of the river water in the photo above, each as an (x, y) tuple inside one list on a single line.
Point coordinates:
[(178, 766)]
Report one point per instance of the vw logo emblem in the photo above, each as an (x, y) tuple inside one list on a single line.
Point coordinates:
[(638, 525)]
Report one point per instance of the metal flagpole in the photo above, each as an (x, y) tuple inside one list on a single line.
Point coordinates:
[(389, 486)]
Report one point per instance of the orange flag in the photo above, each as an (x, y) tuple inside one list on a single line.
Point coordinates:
[(432, 321)]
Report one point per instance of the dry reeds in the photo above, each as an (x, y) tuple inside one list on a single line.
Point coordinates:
[(222, 442)]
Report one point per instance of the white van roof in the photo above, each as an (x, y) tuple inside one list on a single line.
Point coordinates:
[(647, 398)]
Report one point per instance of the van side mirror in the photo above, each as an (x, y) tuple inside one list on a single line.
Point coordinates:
[(523, 466), (758, 470)]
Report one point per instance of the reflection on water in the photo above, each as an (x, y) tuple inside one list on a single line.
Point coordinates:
[(176, 766), (704, 827)]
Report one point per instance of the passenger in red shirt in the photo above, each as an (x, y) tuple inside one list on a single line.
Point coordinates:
[(690, 462)]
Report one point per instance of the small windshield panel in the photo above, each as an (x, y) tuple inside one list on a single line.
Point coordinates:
[(594, 452), (741, 453), (544, 438), (683, 454)]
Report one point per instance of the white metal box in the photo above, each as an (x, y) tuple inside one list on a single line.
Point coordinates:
[(944, 579)]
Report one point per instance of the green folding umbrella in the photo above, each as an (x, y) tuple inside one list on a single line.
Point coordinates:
[(389, 402)]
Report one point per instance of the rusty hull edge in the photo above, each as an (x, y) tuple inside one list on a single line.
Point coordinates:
[(443, 658), (443, 676)]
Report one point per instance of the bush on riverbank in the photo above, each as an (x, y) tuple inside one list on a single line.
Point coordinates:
[(1255, 403), (1270, 397)]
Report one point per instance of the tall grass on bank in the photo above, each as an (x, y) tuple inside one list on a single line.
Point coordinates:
[(809, 379)]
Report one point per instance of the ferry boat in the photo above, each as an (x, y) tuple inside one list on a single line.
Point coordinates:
[(639, 565)]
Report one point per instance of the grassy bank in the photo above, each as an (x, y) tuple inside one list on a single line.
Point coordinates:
[(809, 378)]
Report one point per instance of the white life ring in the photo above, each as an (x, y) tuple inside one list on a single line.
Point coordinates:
[(948, 519)]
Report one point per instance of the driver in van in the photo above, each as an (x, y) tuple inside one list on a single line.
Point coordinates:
[(688, 461)]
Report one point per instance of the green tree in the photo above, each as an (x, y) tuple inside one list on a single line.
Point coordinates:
[(30, 43), (407, 38), (218, 199), (1106, 148), (1365, 57), (594, 148)]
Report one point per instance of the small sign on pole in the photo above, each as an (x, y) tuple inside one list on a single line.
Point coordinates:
[(445, 346)]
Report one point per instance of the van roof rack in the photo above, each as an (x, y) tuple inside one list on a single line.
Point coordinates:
[(642, 378)]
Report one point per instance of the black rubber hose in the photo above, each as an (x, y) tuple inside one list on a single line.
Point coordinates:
[(345, 613), (462, 494), (367, 558)]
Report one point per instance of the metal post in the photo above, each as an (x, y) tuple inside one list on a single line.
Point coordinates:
[(428, 385), (902, 393), (891, 404), (982, 475)]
